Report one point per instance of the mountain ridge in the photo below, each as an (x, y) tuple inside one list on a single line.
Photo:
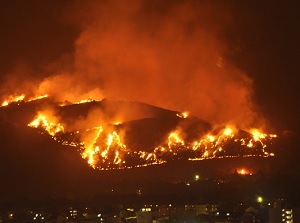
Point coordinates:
[(33, 164)]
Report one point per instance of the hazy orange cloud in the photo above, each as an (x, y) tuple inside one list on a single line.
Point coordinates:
[(165, 53)]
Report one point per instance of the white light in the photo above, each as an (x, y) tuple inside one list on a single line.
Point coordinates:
[(227, 214)]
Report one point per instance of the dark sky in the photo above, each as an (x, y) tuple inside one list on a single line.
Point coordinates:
[(32, 32), (48, 42), (270, 42)]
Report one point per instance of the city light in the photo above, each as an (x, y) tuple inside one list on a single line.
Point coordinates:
[(259, 199)]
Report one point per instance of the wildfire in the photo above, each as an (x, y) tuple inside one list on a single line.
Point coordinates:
[(95, 152), (243, 171), (216, 145), (20, 98), (38, 97), (12, 99), (182, 115), (104, 149), (92, 149), (50, 127), (228, 132), (174, 140), (85, 101)]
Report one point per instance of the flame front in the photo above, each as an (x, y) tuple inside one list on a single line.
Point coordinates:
[(12, 99), (183, 115), (92, 149), (104, 149), (21, 98), (243, 171), (50, 127)]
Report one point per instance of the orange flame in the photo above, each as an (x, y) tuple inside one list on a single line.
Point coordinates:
[(12, 99), (85, 101), (38, 97), (104, 149), (20, 98), (182, 115), (51, 127), (243, 171)]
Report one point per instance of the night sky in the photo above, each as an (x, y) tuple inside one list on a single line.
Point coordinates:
[(240, 59)]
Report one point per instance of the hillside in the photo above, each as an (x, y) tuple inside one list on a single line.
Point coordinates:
[(34, 163)]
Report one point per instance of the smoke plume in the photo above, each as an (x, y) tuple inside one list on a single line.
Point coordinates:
[(165, 53)]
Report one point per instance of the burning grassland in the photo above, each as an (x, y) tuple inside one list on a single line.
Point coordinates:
[(17, 99), (106, 143)]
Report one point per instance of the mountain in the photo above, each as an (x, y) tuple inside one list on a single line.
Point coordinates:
[(34, 163)]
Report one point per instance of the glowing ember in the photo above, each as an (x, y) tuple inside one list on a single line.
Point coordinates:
[(182, 115), (243, 171)]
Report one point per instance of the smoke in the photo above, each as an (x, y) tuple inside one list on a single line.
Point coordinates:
[(165, 53), (18, 81)]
